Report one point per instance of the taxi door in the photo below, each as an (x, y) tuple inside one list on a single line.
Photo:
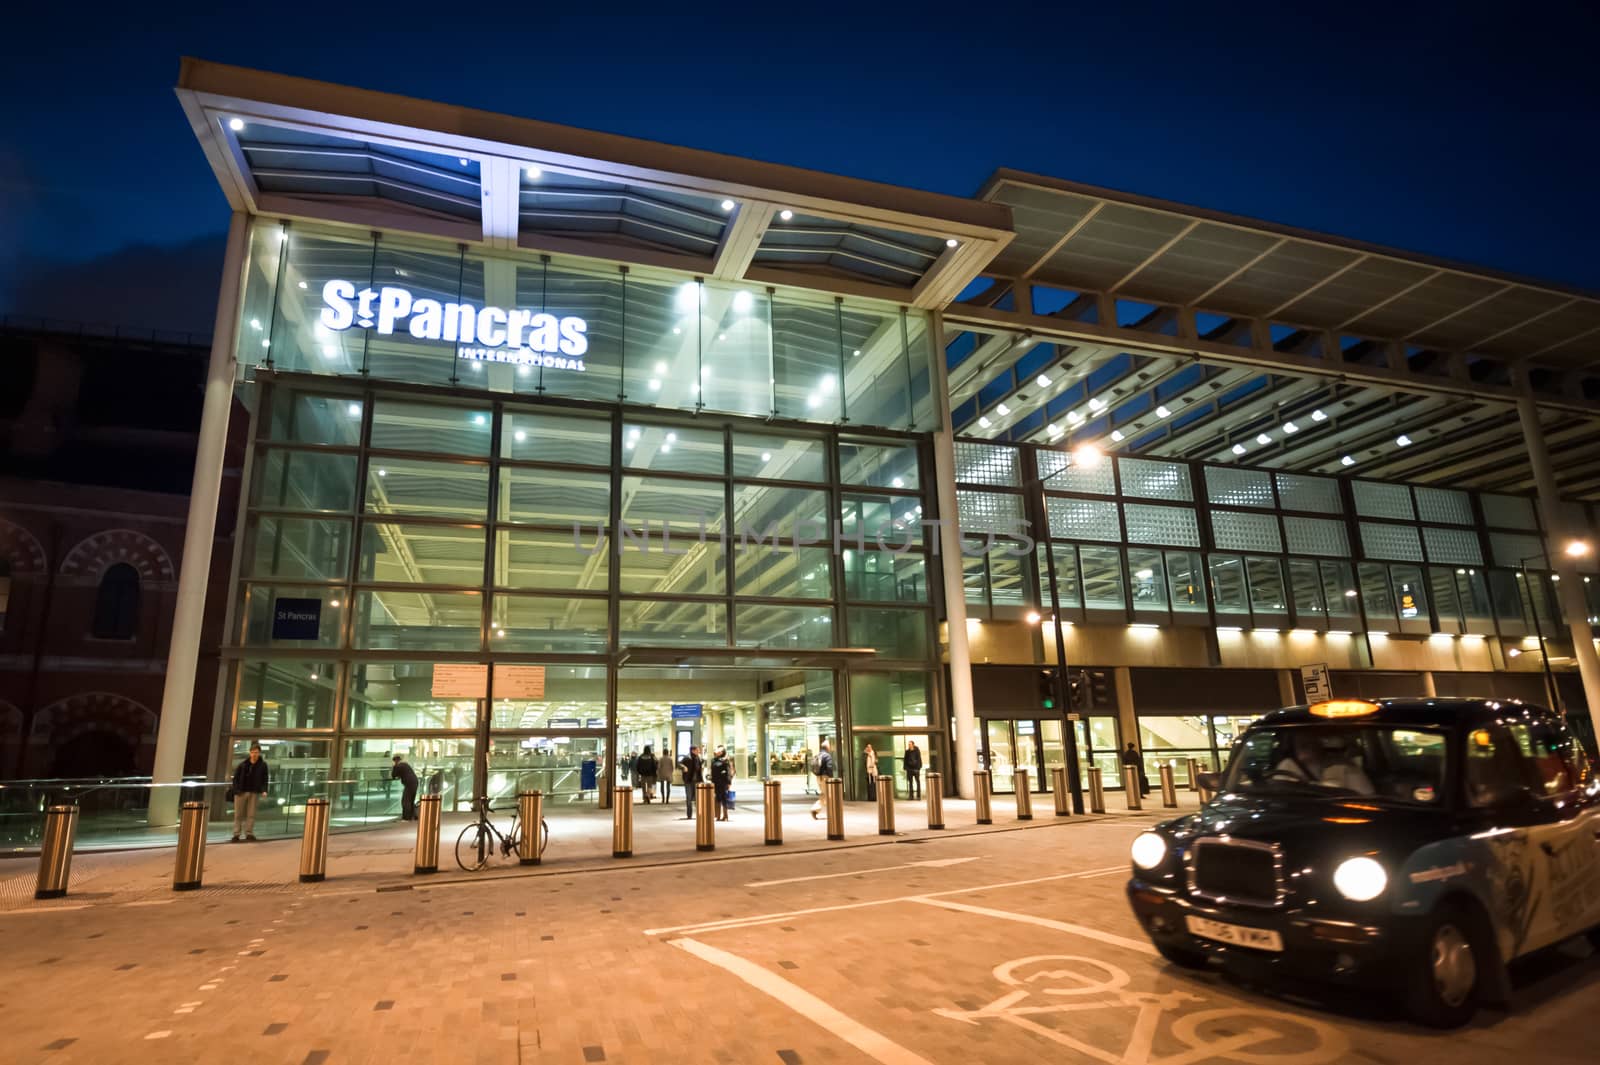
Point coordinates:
[(1564, 835)]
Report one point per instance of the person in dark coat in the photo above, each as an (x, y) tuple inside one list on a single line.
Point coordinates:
[(823, 767), (694, 772), (645, 766), (912, 763), (1131, 757), (407, 777), (249, 784), (722, 780)]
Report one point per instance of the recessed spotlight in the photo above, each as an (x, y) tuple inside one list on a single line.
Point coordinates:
[(786, 214), (1003, 409), (766, 456), (304, 285), (1346, 460), (1318, 416), (383, 473), (1263, 439), (655, 384), (1097, 404), (727, 205), (898, 482), (983, 421), (236, 124), (1053, 429), (952, 243), (1043, 381), (1074, 417), (478, 419), (1116, 434), (1163, 412), (521, 435), (1290, 427), (1403, 440), (661, 369), (465, 161), (533, 172), (354, 410), (1238, 449)]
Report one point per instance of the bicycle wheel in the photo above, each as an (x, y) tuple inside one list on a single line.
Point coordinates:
[(474, 846), (544, 835)]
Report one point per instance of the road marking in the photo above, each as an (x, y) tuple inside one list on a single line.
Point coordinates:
[(770, 918), (934, 863), (1043, 922), (150, 902), (875, 1045)]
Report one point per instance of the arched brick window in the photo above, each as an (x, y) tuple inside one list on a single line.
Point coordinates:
[(116, 605)]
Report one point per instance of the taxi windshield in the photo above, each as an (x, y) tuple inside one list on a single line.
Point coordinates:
[(1373, 761)]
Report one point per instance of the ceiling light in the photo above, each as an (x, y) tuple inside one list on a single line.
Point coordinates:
[(727, 205), (661, 369), (1576, 548), (1318, 416), (304, 285), (533, 173), (1163, 412), (952, 243), (383, 473), (1074, 417), (465, 161), (826, 384), (655, 384), (1145, 574), (1116, 434), (1290, 427), (786, 214), (478, 419), (1003, 409), (1054, 429), (672, 438), (897, 483), (1238, 449), (1087, 455), (354, 410), (743, 301), (983, 421), (1350, 593), (1346, 460), (813, 400), (236, 124), (1263, 439), (1097, 404), (1403, 440), (1043, 381), (1032, 617), (766, 456)]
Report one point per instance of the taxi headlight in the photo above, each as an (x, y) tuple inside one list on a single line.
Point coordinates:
[(1360, 879), (1149, 850)]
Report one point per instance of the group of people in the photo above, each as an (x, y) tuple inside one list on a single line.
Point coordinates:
[(648, 772)]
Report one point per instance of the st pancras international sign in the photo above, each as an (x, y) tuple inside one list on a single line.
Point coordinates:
[(492, 334)]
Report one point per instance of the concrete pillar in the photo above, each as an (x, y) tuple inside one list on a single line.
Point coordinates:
[(1570, 586), (1428, 688), (1127, 716), (948, 542), (194, 574), (1286, 692)]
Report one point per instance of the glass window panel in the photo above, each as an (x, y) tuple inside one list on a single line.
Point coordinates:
[(260, 601), (392, 620), (304, 480), (1008, 579), (876, 373), (299, 417), (1306, 587), (1338, 589), (807, 344), (299, 771), (1409, 594), (991, 464), (572, 693), (1149, 479), (260, 291), (1505, 588), (398, 425), (314, 549), (895, 633), (1511, 550), (879, 465), (281, 694), (1083, 519), (767, 512), (528, 623), (677, 450), (399, 356), (1380, 540), (1443, 505), (1377, 598), (1233, 487), (889, 521), (1267, 597), (300, 341), (885, 576), (1507, 512), (543, 436), (889, 700), (919, 353), (1228, 588), (671, 536), (1060, 473), (1101, 571), (1147, 578), (767, 625), (1187, 581), (427, 489), (995, 512), (736, 352), (1319, 495), (779, 458), (1066, 562), (652, 622), (975, 575), (1316, 536), (443, 765), (1472, 592), (1442, 585), (663, 334), (593, 294), (1238, 531), (399, 695), (1453, 545), (552, 558), (1148, 524), (1377, 500), (562, 498), (783, 571), (396, 553)]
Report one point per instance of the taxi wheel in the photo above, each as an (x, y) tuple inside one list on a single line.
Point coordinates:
[(1183, 959), (1442, 991)]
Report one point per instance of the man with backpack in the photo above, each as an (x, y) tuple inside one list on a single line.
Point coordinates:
[(694, 773), (823, 767), (722, 780), (646, 768)]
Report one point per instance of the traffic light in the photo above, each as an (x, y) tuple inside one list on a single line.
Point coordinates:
[(1101, 696), (1047, 689), (1077, 691)]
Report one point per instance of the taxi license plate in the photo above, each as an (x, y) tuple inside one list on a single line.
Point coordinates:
[(1236, 934)]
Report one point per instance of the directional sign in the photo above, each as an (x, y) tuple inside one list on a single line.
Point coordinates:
[(1317, 683), (687, 710)]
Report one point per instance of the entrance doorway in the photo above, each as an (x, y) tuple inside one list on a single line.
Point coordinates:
[(1035, 745)]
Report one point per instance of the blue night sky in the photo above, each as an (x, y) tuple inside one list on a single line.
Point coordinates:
[(1463, 130)]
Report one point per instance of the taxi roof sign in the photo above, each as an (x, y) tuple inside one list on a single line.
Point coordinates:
[(1343, 708)]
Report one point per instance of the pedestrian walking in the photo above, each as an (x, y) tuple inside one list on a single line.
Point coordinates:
[(407, 777), (693, 768), (823, 767), (664, 771), (721, 780), (871, 758), (913, 765), (249, 784), (1131, 757), (646, 768)]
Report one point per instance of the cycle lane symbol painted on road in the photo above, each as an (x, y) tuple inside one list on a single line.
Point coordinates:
[(1048, 986)]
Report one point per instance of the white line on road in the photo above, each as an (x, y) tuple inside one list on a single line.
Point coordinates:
[(1043, 922), (934, 863), (875, 1045)]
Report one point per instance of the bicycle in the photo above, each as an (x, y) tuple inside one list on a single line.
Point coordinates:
[(480, 839)]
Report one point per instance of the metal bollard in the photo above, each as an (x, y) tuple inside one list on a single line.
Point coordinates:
[(1130, 785), (1169, 790), (1058, 786), (530, 815), (885, 806), (427, 857), (833, 792), (55, 852), (1206, 795), (705, 813), (934, 783), (190, 865), (1024, 792), (1194, 774), (1097, 790), (314, 843), (622, 822), (981, 795), (772, 797)]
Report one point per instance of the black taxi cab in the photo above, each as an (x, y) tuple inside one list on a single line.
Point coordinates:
[(1410, 846)]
